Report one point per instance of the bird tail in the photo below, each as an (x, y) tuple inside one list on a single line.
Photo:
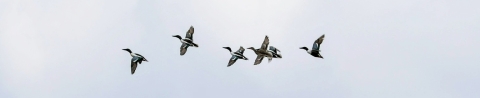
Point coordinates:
[(243, 57), (195, 45)]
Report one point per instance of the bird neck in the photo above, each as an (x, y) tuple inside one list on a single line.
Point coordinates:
[(179, 37), (305, 48)]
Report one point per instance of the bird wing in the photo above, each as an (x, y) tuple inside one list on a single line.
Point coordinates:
[(274, 49), (316, 44), (183, 49), (241, 50), (133, 67), (190, 33), (237, 54), (265, 43), (133, 64), (232, 61), (276, 54), (258, 60)]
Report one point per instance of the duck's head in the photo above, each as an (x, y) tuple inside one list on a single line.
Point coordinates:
[(177, 36), (228, 48), (130, 51), (305, 48)]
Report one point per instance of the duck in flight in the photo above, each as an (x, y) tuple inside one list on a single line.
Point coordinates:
[(275, 52), (262, 52), (136, 59), (235, 55), (187, 41), (315, 52)]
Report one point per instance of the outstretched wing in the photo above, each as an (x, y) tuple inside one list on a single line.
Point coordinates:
[(183, 49), (133, 64), (275, 50), (190, 33), (316, 44), (232, 61), (133, 67), (258, 60), (241, 50), (265, 43)]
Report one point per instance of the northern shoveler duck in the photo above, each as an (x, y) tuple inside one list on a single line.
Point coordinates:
[(187, 41), (235, 55), (136, 59), (262, 52), (315, 52)]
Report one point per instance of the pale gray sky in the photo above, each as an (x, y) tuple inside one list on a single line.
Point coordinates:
[(372, 48)]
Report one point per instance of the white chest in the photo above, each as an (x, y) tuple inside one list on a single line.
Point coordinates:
[(133, 54)]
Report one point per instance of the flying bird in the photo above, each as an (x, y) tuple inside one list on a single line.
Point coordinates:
[(315, 52), (136, 59), (262, 52), (187, 41), (235, 55), (275, 52)]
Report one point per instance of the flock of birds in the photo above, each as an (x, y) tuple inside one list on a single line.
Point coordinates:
[(262, 52)]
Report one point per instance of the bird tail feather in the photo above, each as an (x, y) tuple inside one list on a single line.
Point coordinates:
[(195, 45)]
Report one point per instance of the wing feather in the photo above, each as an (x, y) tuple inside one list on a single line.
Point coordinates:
[(241, 50), (190, 33), (316, 44), (275, 50), (265, 43), (258, 60), (232, 61), (133, 64), (183, 49)]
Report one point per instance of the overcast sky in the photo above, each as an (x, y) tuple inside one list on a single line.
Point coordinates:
[(372, 48)]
